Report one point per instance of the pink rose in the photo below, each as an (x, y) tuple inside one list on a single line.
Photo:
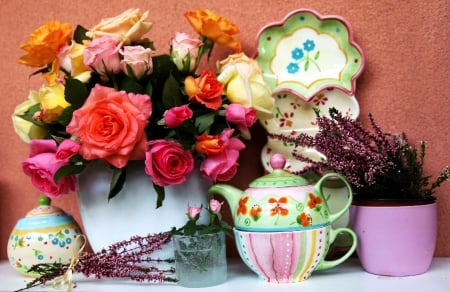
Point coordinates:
[(102, 55), (42, 165), (138, 59), (223, 166), (167, 162), (110, 125), (176, 116), (184, 51), (241, 116), (193, 212), (66, 150), (215, 206)]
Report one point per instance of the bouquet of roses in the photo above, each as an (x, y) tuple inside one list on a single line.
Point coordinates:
[(108, 96)]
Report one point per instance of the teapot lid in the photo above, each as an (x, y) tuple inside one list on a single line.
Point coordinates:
[(278, 177), (45, 208)]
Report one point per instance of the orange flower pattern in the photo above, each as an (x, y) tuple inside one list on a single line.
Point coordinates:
[(242, 208), (304, 219), (314, 201), (279, 206), (255, 212)]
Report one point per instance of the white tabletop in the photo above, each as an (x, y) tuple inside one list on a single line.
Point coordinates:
[(349, 276)]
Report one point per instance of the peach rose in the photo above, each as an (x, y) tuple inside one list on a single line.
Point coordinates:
[(129, 26), (245, 85), (110, 125)]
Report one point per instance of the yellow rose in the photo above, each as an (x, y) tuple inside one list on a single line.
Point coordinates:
[(245, 85), (71, 59), (51, 98), (129, 26), (24, 129)]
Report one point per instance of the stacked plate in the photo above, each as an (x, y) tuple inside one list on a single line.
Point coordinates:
[(310, 62)]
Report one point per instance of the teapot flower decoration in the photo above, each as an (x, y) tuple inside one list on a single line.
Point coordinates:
[(108, 95)]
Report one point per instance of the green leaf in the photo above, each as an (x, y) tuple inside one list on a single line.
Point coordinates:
[(205, 121), (117, 181), (79, 34), (130, 84), (75, 92), (66, 116), (306, 66), (172, 95), (161, 195), (316, 56), (190, 228), (68, 170)]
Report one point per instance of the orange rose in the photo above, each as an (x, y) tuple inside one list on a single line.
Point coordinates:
[(45, 42), (205, 89), (110, 125), (209, 144), (214, 27)]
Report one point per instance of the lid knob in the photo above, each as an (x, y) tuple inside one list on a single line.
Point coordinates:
[(277, 161)]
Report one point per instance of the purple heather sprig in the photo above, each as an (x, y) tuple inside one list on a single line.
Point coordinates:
[(130, 259), (378, 165), (350, 149)]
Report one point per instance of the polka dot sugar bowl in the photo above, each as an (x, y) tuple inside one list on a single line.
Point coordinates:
[(45, 235)]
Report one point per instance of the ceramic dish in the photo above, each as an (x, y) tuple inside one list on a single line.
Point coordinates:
[(293, 113), (306, 53)]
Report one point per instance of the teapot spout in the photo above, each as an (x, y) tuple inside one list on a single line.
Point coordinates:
[(230, 193)]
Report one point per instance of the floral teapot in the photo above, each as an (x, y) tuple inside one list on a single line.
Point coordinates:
[(281, 201)]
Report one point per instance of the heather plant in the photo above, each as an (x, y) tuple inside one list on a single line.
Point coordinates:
[(377, 164)]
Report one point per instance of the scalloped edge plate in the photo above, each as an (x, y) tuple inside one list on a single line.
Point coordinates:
[(306, 53)]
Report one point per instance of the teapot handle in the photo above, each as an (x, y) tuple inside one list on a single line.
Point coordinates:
[(319, 189)]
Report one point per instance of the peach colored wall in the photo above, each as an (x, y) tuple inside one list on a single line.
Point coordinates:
[(405, 83)]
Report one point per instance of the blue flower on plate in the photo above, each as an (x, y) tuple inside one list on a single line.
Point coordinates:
[(309, 45), (293, 68), (297, 54)]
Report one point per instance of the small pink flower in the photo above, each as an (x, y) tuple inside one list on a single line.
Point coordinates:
[(193, 212), (215, 206), (42, 165), (241, 116), (102, 55), (176, 116), (167, 162), (223, 166), (138, 59), (67, 149), (184, 51)]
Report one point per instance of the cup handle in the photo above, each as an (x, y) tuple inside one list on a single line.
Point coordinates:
[(319, 186), (324, 264)]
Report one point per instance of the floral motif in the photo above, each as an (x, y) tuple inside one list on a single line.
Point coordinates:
[(242, 208), (255, 212), (301, 55), (279, 206)]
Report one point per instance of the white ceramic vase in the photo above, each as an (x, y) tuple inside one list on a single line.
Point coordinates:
[(133, 211)]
